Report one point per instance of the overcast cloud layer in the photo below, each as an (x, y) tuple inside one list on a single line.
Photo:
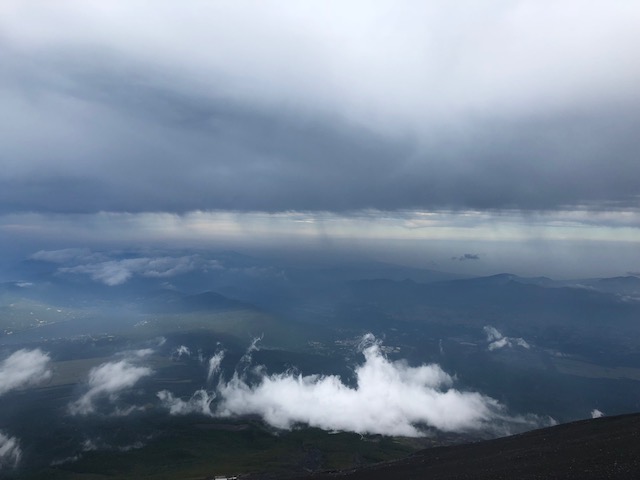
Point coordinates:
[(158, 106)]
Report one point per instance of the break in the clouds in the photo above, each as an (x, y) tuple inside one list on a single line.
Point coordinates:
[(24, 368), (390, 398), (327, 106), (107, 382), (497, 340), (10, 452)]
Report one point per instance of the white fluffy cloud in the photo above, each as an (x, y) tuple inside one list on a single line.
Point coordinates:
[(24, 368), (108, 381), (497, 340), (390, 398), (10, 452)]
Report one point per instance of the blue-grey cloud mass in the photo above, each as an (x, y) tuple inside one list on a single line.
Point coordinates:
[(144, 106)]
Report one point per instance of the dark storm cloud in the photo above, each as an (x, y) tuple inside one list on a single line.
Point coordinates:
[(130, 120)]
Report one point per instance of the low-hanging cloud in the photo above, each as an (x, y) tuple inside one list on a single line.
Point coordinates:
[(390, 398), (117, 272), (65, 255), (214, 365), (199, 403), (182, 351), (24, 368), (108, 381), (108, 268), (10, 452), (497, 340), (467, 256)]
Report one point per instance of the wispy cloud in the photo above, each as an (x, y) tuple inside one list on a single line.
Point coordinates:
[(467, 256), (182, 351), (66, 255), (214, 365), (200, 403), (497, 340), (107, 268), (139, 353), (107, 382), (117, 272), (24, 368), (10, 452)]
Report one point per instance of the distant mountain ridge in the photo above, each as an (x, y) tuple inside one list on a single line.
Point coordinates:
[(170, 301)]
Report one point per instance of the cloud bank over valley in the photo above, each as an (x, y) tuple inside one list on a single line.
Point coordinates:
[(387, 397)]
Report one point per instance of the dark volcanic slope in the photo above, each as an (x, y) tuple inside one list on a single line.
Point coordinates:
[(604, 448)]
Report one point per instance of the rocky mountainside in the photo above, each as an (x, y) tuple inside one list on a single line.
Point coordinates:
[(603, 448)]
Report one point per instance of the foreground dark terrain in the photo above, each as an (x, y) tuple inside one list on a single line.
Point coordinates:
[(590, 449)]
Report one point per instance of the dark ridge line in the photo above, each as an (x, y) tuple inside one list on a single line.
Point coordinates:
[(603, 448)]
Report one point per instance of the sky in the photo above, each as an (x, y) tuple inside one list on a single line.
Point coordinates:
[(466, 136)]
